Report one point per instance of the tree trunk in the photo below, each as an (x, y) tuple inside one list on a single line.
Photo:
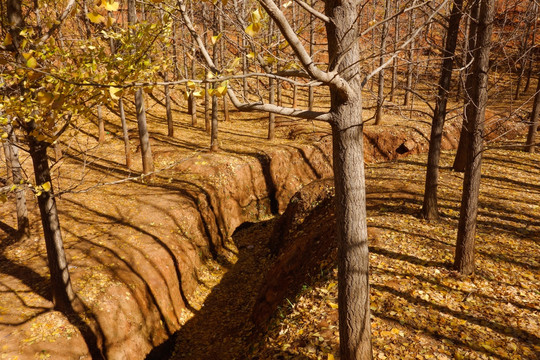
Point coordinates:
[(461, 155), (101, 125), (429, 209), (214, 143), (11, 152), (464, 257), (193, 99), (125, 133), (395, 61), (353, 255), (410, 67), (144, 137), (533, 126), (62, 291), (380, 95), (271, 90), (170, 125)]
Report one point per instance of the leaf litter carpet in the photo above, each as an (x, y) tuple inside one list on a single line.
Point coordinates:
[(421, 308)]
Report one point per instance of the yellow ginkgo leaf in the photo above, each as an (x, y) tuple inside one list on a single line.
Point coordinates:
[(330, 357), (191, 84), (256, 16), (251, 55), (333, 305), (198, 94), (46, 187), (8, 40), (110, 6), (250, 30), (216, 38), (222, 88), (114, 92), (31, 63), (110, 21), (44, 98), (95, 17)]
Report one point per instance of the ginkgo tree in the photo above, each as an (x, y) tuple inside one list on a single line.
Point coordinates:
[(50, 83), (343, 75)]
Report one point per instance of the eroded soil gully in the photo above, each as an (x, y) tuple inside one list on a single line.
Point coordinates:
[(134, 254)]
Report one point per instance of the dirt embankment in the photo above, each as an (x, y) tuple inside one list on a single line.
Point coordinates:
[(134, 252)]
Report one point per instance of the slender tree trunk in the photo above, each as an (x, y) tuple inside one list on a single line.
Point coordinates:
[(192, 99), (271, 90), (311, 51), (410, 64), (170, 124), (533, 126), (125, 133), (144, 137), (11, 152), (464, 257), (395, 61), (353, 254), (62, 291), (101, 125), (429, 209), (380, 95), (214, 142), (464, 138)]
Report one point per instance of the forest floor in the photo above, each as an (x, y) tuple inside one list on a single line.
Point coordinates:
[(421, 308)]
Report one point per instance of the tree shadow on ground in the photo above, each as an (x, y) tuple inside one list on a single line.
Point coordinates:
[(222, 327)]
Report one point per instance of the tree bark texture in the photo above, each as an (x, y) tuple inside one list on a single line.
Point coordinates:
[(533, 125), (429, 208), (353, 254), (170, 124), (144, 137), (11, 152), (125, 133), (101, 125), (464, 259), (380, 95), (62, 291), (472, 53)]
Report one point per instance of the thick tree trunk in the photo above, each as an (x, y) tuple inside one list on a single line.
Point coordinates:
[(380, 94), (472, 53), (353, 255), (11, 152), (429, 209), (62, 291), (533, 126), (464, 259)]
